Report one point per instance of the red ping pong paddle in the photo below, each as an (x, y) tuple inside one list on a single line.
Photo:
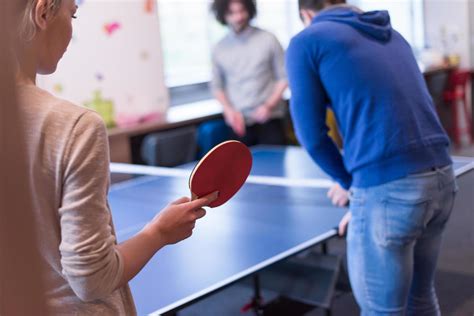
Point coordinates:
[(224, 168)]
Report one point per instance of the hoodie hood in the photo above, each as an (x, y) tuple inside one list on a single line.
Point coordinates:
[(375, 24)]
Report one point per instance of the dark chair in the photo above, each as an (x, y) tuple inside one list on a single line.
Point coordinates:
[(170, 148)]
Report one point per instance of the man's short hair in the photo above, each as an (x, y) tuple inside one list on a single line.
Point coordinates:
[(221, 7), (317, 5)]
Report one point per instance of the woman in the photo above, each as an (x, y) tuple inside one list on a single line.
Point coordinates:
[(85, 271)]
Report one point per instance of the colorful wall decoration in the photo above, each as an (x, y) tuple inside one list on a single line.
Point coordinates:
[(115, 55)]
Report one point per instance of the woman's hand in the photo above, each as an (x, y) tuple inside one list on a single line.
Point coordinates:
[(177, 220)]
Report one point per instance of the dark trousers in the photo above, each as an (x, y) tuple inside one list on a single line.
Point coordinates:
[(214, 132), (269, 133)]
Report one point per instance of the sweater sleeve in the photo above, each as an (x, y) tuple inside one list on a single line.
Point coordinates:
[(308, 112), (90, 261), (218, 78), (278, 60)]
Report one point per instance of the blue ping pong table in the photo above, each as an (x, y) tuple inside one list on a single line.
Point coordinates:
[(281, 211)]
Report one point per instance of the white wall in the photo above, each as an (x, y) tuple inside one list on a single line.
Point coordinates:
[(125, 66), (406, 17), (447, 27)]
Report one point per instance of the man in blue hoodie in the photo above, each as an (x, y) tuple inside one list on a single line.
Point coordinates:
[(396, 161)]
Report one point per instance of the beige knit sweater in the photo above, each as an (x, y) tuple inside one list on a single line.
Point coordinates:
[(69, 179)]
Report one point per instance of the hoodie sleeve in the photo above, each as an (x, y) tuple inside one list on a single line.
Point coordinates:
[(308, 112)]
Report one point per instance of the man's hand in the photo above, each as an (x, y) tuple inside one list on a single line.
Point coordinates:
[(338, 195), (236, 121), (343, 224), (261, 114)]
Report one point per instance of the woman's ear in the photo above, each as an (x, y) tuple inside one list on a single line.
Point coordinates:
[(41, 14)]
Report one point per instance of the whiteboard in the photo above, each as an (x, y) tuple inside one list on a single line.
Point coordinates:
[(116, 51)]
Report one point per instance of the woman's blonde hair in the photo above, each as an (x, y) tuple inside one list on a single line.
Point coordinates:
[(27, 27)]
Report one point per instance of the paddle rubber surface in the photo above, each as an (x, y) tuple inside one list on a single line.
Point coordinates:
[(224, 168)]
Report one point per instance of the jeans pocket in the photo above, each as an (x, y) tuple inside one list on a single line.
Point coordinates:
[(446, 206), (357, 208), (356, 197), (403, 221)]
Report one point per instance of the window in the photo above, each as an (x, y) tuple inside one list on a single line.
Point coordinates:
[(189, 31), (280, 17), (406, 17)]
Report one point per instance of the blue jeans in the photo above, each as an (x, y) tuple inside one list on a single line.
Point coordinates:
[(393, 242)]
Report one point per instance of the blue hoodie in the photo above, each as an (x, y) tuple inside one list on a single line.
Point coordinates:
[(356, 64)]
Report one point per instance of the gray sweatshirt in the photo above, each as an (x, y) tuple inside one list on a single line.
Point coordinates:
[(246, 66)]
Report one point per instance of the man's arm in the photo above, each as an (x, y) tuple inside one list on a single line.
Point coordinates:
[(276, 95), (308, 111), (233, 118), (263, 112), (221, 97), (279, 71)]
